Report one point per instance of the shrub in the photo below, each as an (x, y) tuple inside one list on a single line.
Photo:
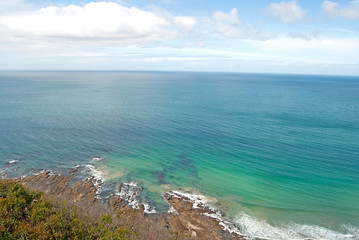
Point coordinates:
[(27, 214)]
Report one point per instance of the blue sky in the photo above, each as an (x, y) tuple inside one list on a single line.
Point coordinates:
[(309, 37)]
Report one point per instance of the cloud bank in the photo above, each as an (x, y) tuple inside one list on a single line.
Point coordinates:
[(111, 35), (110, 21), (95, 21)]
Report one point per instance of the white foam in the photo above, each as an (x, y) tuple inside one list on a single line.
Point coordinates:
[(254, 228), (351, 230), (131, 184), (260, 229), (130, 192), (13, 161), (200, 201), (98, 159), (172, 210), (97, 179), (148, 209), (43, 171), (226, 225), (97, 174)]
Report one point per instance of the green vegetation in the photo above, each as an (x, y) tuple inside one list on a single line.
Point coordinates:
[(26, 214)]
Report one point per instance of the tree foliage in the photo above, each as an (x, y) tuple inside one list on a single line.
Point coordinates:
[(26, 214)]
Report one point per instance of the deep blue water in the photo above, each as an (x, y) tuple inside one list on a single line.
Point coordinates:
[(279, 152)]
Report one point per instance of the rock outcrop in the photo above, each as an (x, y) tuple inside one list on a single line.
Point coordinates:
[(195, 221)]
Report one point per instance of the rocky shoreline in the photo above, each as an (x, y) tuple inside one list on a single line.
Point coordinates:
[(189, 215)]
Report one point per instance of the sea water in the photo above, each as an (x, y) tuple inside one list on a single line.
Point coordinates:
[(278, 153)]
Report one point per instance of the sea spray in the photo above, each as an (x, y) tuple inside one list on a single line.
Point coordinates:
[(95, 172), (260, 229), (98, 159), (131, 193), (11, 162), (97, 178), (206, 203), (38, 172)]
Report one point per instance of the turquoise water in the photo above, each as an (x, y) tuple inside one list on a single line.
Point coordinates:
[(280, 153)]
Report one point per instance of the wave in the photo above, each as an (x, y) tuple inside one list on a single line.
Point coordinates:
[(131, 193), (261, 230), (13, 161), (148, 209), (204, 202), (8, 168), (98, 159), (97, 174), (38, 172), (258, 229), (98, 178), (198, 200)]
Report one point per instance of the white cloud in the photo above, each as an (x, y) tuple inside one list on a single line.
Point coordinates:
[(94, 21), (306, 36), (185, 22), (287, 12), (110, 22), (330, 8), (230, 25), (232, 17), (104, 35), (350, 12), (14, 5), (7, 3), (334, 10)]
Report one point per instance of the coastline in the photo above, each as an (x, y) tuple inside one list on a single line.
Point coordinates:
[(189, 214)]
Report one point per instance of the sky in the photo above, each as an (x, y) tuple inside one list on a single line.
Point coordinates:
[(262, 36)]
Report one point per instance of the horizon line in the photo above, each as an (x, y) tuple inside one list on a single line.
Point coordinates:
[(177, 71)]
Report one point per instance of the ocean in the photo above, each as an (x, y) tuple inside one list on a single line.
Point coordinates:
[(278, 154)]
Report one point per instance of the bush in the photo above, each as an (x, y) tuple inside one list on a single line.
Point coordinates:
[(26, 214)]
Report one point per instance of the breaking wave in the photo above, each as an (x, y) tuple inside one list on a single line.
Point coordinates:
[(131, 193), (12, 161), (259, 229), (203, 202)]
